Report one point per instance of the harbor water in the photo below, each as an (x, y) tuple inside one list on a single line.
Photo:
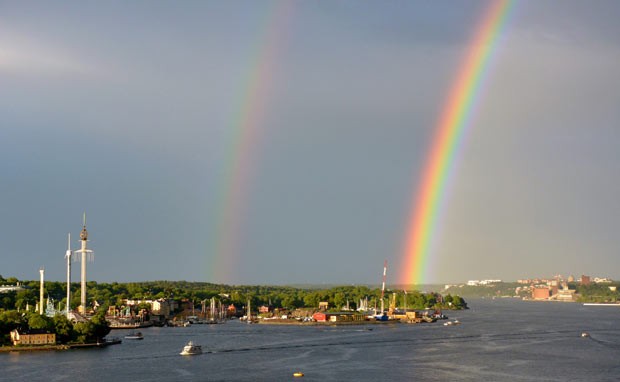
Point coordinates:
[(497, 340)]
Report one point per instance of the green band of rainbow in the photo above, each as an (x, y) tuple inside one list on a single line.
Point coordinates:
[(450, 131)]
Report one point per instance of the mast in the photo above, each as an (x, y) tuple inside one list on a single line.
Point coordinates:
[(42, 272), (68, 256), (383, 285)]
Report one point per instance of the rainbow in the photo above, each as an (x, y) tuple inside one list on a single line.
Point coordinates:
[(453, 123), (242, 141)]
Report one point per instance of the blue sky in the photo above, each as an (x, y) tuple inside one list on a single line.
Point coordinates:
[(121, 109)]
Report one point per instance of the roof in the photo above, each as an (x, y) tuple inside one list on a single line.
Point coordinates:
[(33, 331)]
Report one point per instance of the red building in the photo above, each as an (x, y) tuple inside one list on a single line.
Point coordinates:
[(584, 280), (541, 292)]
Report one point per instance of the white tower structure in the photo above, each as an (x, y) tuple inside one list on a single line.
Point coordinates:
[(383, 285), (42, 272), (68, 256), (86, 254)]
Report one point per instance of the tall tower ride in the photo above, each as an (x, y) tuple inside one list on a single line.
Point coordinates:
[(86, 254), (68, 256)]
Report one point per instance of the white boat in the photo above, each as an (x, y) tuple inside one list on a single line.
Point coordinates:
[(191, 349)]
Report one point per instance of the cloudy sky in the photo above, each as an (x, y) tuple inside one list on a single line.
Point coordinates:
[(133, 112)]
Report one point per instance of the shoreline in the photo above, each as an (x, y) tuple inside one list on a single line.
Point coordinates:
[(326, 323), (36, 348)]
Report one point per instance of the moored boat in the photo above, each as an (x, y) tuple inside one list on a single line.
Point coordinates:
[(134, 336)]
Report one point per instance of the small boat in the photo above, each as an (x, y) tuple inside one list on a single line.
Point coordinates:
[(191, 349), (585, 334), (298, 374), (134, 336)]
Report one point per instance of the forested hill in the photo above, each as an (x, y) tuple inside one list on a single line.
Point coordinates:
[(278, 296)]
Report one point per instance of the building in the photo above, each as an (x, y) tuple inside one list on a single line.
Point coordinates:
[(337, 317), (602, 280), (264, 309), (566, 294), (33, 337), (11, 288), (483, 282), (584, 280), (162, 306), (541, 292)]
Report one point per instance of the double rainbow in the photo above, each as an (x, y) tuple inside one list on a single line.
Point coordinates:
[(455, 120), (243, 141)]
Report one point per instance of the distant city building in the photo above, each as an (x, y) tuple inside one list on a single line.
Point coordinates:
[(482, 282), (584, 280), (11, 288), (541, 292), (565, 294), (603, 280), (571, 278)]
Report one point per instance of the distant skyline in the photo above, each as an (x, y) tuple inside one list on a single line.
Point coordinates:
[(133, 113)]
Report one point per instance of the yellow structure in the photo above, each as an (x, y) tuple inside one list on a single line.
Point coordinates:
[(33, 337)]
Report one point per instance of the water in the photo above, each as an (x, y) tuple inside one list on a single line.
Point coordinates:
[(498, 340)]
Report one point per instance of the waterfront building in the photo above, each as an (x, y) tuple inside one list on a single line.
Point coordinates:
[(32, 337), (162, 307), (264, 309), (337, 317), (565, 294), (541, 292)]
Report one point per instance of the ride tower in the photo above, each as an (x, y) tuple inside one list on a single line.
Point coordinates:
[(89, 255)]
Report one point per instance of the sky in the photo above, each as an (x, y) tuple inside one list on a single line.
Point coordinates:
[(282, 142)]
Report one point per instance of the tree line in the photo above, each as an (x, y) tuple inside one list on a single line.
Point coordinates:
[(276, 296)]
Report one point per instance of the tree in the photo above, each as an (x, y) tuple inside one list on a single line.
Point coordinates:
[(63, 328), (23, 298), (38, 321), (9, 320), (339, 300), (100, 326), (92, 331)]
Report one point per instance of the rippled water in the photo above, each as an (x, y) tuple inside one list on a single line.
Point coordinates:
[(498, 340)]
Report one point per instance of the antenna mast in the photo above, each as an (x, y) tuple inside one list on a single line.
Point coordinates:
[(68, 256), (383, 284)]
